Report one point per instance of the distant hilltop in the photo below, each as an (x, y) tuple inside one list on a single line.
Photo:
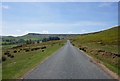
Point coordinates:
[(37, 36)]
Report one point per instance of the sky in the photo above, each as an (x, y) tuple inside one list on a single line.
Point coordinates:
[(20, 18)]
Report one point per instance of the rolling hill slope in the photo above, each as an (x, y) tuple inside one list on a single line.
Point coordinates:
[(103, 46), (35, 36), (109, 36)]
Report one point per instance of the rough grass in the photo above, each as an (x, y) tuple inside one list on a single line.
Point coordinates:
[(109, 37), (0, 71), (4, 47), (107, 41), (24, 61)]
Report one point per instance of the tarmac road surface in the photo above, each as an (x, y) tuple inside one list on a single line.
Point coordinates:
[(68, 63)]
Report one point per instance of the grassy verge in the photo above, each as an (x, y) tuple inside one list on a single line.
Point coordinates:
[(8, 46), (107, 60), (103, 46), (113, 67), (16, 67), (0, 63), (0, 71)]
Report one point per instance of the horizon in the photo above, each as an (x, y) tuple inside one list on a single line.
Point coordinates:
[(60, 33), (57, 17)]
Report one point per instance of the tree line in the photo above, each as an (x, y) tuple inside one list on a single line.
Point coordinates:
[(28, 41)]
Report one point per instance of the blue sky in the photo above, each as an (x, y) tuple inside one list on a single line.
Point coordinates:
[(19, 18)]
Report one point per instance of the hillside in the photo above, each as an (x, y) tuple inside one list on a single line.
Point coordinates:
[(18, 60), (103, 46), (109, 36), (40, 36), (35, 36)]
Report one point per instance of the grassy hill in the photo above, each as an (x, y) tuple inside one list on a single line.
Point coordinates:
[(109, 36), (18, 60), (36, 36), (103, 38), (103, 46), (33, 38)]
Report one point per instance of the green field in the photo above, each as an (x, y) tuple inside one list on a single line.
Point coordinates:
[(103, 46), (23, 61)]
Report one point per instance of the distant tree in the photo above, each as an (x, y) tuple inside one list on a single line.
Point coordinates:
[(54, 38), (50, 39), (29, 41), (6, 43), (45, 40), (38, 41), (7, 40), (21, 41), (3, 58)]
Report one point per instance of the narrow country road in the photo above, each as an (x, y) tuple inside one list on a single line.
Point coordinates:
[(68, 63)]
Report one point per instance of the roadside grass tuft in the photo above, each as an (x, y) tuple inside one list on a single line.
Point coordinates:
[(107, 42), (14, 68)]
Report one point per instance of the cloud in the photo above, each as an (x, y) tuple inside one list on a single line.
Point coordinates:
[(73, 28), (64, 25), (0, 32), (41, 32), (44, 32), (106, 4), (83, 30), (4, 7), (18, 30), (60, 0), (0, 27), (52, 28), (70, 32)]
